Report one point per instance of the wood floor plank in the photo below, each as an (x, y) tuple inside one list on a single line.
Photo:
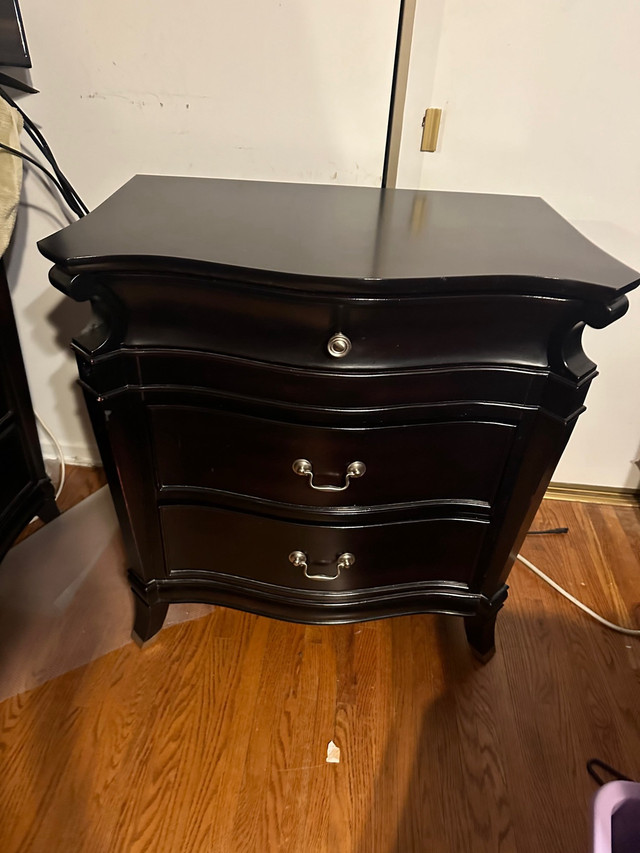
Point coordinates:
[(80, 482), (214, 737)]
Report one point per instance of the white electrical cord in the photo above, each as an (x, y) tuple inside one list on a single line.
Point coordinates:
[(59, 453), (631, 632)]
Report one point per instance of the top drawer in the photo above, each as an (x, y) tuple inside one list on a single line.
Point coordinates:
[(300, 330)]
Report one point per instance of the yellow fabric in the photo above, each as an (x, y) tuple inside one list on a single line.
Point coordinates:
[(10, 172)]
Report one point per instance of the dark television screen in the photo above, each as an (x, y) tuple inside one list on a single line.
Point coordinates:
[(13, 44)]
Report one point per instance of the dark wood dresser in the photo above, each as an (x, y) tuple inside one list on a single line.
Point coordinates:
[(25, 488), (330, 404)]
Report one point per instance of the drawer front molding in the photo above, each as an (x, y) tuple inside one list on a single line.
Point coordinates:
[(259, 547), (209, 449)]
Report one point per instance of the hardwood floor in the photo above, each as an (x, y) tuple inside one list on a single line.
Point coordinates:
[(214, 737), (80, 482)]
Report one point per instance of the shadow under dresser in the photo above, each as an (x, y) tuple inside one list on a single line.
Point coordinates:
[(330, 404)]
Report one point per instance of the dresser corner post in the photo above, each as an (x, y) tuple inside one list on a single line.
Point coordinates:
[(480, 627), (150, 611)]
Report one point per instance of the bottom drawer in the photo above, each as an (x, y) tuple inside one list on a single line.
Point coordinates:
[(248, 546)]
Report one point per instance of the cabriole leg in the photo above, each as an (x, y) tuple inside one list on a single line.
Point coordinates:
[(480, 628), (148, 619), (480, 631), (48, 509)]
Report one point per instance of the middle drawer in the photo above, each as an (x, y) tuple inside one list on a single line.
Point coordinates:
[(245, 455)]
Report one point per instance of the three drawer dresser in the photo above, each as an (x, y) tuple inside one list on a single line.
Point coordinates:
[(329, 404)]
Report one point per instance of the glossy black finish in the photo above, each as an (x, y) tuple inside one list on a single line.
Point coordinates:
[(25, 489), (338, 238), (256, 547), (13, 43), (222, 451), (207, 374)]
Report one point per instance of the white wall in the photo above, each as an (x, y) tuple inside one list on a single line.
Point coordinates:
[(291, 90), (538, 98), (541, 98)]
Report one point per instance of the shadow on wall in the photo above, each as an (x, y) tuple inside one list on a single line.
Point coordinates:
[(65, 317), (55, 217)]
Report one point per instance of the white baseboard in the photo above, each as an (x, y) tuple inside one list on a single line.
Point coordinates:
[(74, 454), (593, 494)]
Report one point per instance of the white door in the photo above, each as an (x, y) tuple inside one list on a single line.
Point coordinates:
[(540, 98)]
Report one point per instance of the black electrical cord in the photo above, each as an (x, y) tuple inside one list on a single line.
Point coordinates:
[(594, 763), (71, 196), (545, 532), (24, 156), (62, 183), (36, 135)]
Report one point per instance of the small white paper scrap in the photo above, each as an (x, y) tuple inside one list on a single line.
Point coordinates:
[(333, 753)]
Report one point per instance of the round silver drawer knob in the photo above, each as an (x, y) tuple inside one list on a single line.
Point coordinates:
[(339, 345), (302, 467), (345, 561), (298, 558), (356, 469)]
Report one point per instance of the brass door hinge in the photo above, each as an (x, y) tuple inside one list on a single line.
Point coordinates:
[(430, 128)]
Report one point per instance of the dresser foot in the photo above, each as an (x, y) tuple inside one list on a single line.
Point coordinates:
[(148, 619), (480, 631), (48, 510), (481, 627)]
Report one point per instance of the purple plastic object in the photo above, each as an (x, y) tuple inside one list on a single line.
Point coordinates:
[(616, 818)]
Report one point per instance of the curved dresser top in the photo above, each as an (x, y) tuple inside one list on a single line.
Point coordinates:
[(357, 240)]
